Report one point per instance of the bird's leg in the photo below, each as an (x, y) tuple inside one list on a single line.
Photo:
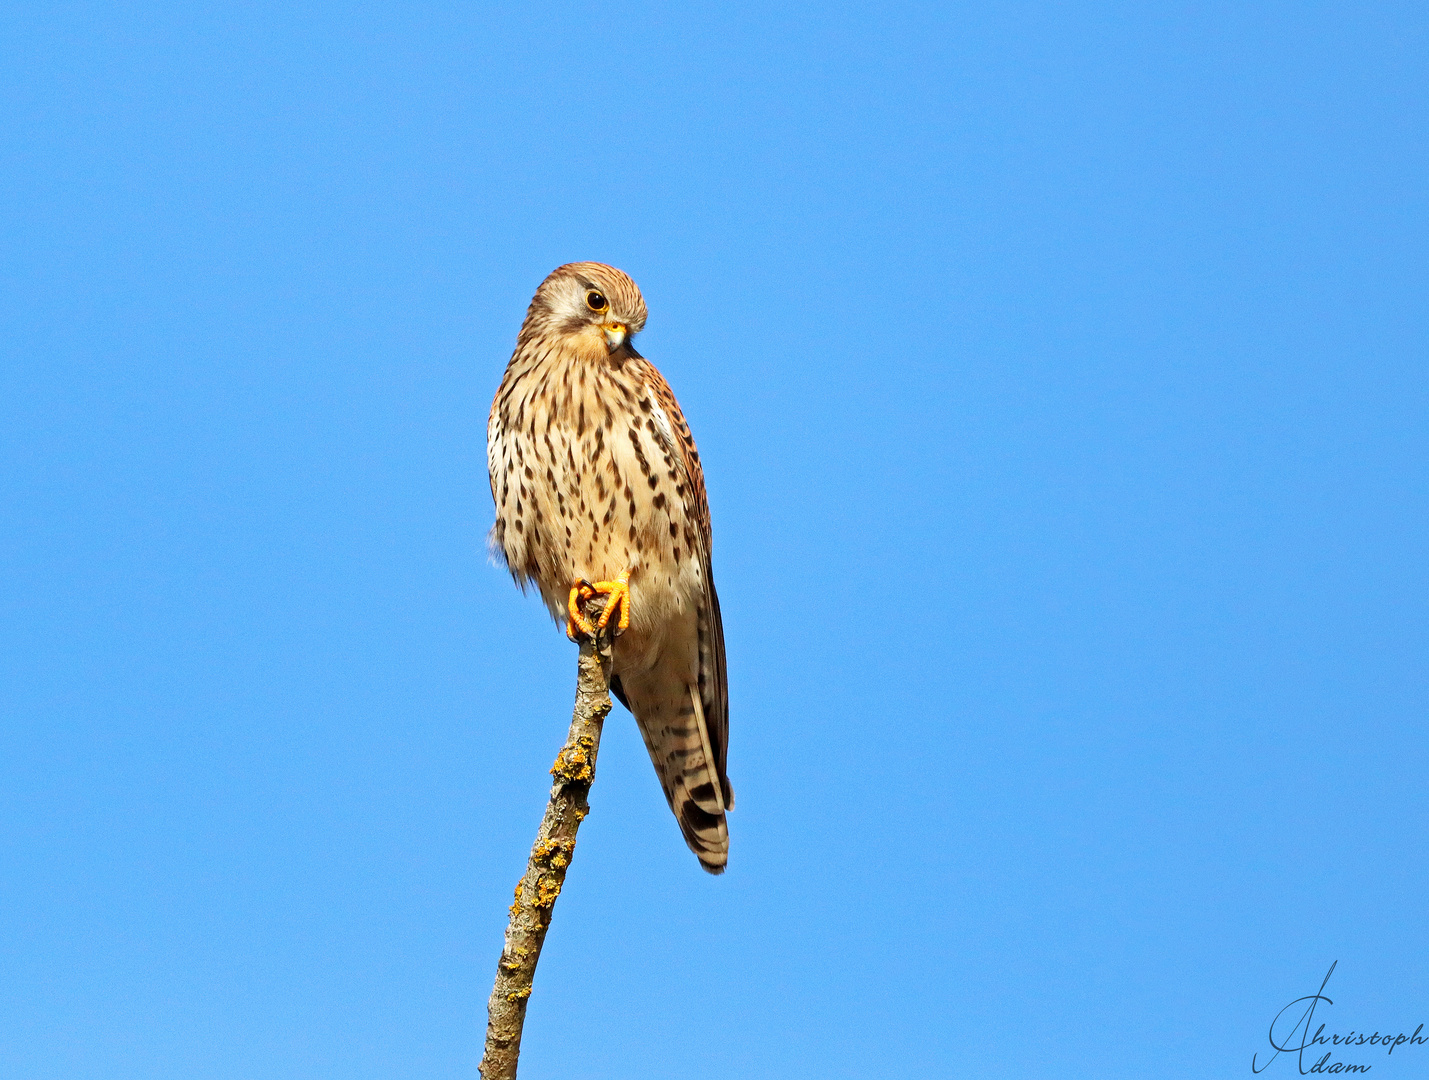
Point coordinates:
[(576, 620)]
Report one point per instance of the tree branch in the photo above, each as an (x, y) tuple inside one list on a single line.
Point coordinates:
[(538, 888)]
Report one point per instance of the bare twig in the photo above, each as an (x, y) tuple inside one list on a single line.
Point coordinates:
[(537, 890)]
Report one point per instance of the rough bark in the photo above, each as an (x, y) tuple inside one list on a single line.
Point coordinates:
[(538, 888)]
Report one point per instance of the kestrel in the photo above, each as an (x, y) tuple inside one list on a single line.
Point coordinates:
[(599, 490)]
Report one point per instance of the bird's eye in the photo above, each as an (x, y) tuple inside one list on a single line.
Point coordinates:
[(596, 301)]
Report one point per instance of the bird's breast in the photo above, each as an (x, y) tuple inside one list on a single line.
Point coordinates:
[(587, 483)]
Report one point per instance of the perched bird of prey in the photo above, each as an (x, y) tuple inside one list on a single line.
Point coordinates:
[(599, 491)]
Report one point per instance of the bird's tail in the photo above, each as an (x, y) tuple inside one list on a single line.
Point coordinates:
[(672, 722)]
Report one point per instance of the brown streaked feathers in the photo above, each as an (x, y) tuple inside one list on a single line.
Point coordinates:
[(594, 471)]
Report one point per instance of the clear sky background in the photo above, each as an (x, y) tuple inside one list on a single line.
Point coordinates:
[(1060, 377)]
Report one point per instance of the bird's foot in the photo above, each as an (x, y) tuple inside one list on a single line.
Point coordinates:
[(576, 622), (618, 592)]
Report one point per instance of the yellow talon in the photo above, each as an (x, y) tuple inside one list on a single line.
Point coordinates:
[(581, 590), (619, 591)]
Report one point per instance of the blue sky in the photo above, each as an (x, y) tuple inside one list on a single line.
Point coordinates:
[(1059, 374)]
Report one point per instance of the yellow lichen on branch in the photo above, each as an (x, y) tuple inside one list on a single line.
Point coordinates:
[(551, 855), (576, 764)]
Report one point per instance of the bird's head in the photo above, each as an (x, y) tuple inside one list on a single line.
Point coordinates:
[(595, 303)]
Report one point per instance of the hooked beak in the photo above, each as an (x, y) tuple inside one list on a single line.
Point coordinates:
[(615, 335)]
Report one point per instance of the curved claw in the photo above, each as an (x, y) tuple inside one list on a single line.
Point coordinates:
[(576, 620)]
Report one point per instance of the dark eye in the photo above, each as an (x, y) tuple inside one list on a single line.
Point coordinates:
[(596, 301)]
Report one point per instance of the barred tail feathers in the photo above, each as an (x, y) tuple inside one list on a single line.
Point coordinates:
[(672, 722)]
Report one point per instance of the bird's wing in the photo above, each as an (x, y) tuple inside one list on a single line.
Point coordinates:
[(713, 688)]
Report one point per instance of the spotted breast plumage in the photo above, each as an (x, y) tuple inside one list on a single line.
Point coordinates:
[(599, 490)]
